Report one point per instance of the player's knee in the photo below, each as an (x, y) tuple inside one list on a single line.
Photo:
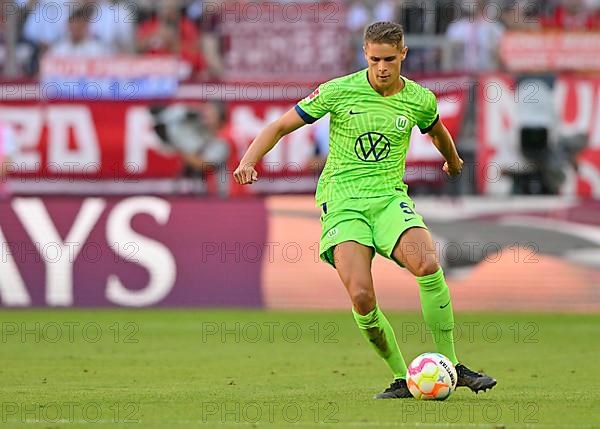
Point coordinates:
[(363, 298), (426, 267)]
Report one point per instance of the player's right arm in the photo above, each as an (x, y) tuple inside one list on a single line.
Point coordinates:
[(263, 143), (307, 111)]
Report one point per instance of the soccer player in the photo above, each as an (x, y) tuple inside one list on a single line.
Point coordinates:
[(364, 202)]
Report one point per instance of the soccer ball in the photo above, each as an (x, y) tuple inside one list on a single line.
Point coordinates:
[(431, 376)]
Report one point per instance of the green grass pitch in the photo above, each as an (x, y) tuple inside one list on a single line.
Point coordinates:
[(261, 369)]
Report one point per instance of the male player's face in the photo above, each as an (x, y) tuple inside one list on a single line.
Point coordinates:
[(384, 63)]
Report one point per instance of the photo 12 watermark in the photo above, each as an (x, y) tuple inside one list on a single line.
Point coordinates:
[(68, 332), (253, 412), (269, 332), (472, 332), (432, 412), (69, 412)]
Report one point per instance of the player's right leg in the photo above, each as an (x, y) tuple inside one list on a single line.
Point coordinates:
[(347, 245), (353, 264)]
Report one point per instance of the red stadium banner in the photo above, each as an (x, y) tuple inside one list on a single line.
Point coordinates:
[(563, 114), (116, 142), (94, 140), (550, 51)]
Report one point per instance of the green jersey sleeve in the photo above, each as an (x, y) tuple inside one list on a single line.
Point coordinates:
[(428, 115), (317, 104)]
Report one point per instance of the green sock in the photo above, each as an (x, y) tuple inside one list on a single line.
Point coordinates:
[(437, 312), (378, 331)]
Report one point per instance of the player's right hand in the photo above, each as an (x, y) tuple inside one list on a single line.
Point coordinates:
[(245, 174), (453, 169)]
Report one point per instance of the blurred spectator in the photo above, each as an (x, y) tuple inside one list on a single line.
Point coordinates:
[(170, 32), (3, 30), (412, 16), (79, 42), (45, 21), (209, 19), (110, 21), (385, 10), (357, 18), (44, 25), (4, 43), (360, 14), (113, 23), (14, 54), (200, 136), (521, 14), (476, 38), (223, 157), (573, 15)]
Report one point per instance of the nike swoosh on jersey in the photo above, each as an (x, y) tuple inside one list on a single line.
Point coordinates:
[(355, 113), (446, 305)]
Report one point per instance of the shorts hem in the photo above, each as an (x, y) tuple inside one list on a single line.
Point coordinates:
[(388, 255), (327, 254)]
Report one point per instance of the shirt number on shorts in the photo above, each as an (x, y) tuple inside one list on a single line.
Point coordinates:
[(406, 208)]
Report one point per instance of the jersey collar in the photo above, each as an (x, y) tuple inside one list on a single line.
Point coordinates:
[(383, 96)]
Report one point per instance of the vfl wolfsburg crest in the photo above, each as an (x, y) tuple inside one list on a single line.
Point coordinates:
[(372, 147), (401, 123)]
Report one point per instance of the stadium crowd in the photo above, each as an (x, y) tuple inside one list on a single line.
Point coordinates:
[(95, 28), (193, 30)]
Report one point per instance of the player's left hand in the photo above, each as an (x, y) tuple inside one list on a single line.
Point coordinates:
[(454, 169)]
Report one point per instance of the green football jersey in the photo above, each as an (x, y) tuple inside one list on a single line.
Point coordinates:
[(369, 134)]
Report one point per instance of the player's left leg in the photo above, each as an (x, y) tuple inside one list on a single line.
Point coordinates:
[(415, 250), (401, 235)]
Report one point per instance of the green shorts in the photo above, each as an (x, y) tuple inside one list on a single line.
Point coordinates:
[(375, 222)]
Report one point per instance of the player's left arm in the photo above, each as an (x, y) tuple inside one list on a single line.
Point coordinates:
[(445, 145)]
